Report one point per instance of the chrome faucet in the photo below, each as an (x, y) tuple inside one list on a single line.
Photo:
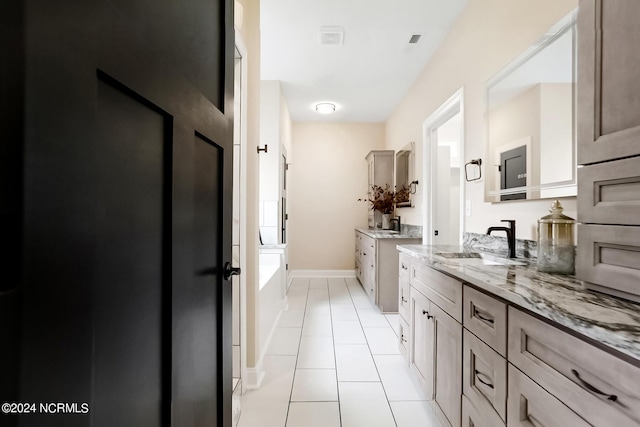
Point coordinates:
[(511, 235)]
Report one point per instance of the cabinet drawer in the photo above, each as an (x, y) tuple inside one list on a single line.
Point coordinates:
[(404, 264), (443, 290), (367, 244), (484, 376), (403, 297), (403, 339), (609, 259), (609, 193), (593, 383), (472, 417), (486, 317), (530, 405)]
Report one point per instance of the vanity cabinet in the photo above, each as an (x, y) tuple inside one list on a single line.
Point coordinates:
[(376, 268), (504, 367), (435, 353), (608, 128)]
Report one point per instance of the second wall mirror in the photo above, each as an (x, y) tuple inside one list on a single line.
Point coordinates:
[(405, 163)]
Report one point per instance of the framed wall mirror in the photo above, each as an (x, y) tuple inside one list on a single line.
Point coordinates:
[(405, 163), (530, 147)]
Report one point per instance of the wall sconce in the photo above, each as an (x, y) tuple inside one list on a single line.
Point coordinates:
[(470, 165), (325, 108), (263, 149), (413, 187)]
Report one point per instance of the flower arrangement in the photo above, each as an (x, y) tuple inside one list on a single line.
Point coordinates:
[(384, 200)]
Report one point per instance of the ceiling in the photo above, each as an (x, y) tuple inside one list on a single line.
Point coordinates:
[(369, 72)]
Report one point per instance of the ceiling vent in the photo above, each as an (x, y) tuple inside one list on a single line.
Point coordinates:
[(415, 38), (333, 36)]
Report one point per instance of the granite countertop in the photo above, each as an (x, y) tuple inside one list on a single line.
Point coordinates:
[(613, 322), (378, 233)]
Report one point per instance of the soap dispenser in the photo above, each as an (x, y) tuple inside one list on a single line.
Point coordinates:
[(556, 252)]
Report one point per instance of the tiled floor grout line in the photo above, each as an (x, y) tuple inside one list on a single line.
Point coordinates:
[(335, 358), (373, 358), (295, 368)]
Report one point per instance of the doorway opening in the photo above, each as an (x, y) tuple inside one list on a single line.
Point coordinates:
[(443, 134)]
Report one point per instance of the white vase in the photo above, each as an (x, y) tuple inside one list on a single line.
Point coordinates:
[(377, 219), (386, 221)]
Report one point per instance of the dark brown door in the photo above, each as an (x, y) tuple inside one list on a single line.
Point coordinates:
[(513, 172), (118, 187)]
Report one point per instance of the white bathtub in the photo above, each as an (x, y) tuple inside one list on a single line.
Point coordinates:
[(272, 290)]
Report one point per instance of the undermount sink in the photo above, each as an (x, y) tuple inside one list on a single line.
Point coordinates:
[(478, 258)]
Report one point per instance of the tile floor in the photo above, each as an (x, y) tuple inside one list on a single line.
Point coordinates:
[(334, 361)]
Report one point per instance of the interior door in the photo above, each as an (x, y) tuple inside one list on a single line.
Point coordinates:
[(513, 172), (123, 313)]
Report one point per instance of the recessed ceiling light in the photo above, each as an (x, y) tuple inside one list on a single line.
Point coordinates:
[(325, 108)]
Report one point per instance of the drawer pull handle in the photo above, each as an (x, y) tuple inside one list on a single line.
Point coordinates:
[(488, 384), (427, 313), (481, 317), (611, 397), (404, 267), (404, 299), (403, 338)]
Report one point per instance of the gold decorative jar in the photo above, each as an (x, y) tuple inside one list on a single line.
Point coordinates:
[(556, 250)]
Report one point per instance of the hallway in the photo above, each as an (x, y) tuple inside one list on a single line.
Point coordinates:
[(334, 361)]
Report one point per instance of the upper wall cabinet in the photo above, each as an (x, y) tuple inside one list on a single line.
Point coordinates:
[(609, 94), (381, 174), (530, 126)]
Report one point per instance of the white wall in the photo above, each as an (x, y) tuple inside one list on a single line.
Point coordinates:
[(250, 31), (327, 175), (487, 35)]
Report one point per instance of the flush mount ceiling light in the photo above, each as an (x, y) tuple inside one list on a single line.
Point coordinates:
[(331, 36), (325, 108)]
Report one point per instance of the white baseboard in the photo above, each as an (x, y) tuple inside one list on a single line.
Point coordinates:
[(254, 377), (319, 273), (322, 273)]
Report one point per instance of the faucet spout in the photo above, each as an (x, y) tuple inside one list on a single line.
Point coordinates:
[(511, 235)]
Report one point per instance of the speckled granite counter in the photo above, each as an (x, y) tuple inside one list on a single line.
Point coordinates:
[(408, 232), (613, 322)]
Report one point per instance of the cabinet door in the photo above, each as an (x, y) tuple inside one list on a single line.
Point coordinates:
[(421, 354), (448, 366), (608, 74)]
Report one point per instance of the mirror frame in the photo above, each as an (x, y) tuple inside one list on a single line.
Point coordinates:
[(411, 149), (566, 24)]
